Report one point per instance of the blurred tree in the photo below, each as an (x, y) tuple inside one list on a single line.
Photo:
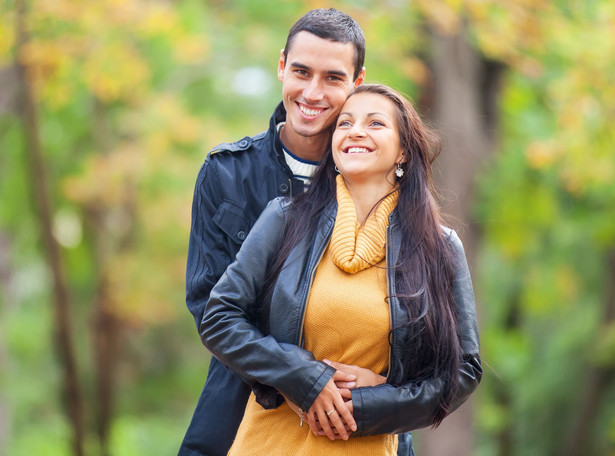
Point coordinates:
[(90, 69), (39, 180)]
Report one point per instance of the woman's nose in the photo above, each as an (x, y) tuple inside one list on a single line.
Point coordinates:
[(356, 131)]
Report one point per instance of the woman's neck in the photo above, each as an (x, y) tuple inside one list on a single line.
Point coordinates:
[(366, 196)]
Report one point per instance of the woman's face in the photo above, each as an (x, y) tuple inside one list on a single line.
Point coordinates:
[(365, 143)]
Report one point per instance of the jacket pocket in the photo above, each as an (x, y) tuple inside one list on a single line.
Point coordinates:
[(230, 219)]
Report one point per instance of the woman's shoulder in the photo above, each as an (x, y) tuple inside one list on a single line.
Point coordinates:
[(451, 236), (279, 203), (275, 211)]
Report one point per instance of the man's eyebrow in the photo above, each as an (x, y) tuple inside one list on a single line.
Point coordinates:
[(341, 74)]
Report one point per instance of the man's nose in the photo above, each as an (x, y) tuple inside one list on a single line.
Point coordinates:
[(314, 91)]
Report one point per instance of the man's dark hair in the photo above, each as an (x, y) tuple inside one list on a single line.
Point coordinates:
[(334, 25)]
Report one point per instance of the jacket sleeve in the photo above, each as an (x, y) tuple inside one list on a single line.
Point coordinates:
[(228, 332), (396, 409), (209, 251)]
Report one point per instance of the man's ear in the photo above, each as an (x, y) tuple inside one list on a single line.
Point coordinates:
[(361, 78), (281, 63)]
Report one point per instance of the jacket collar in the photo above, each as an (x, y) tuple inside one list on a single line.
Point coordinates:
[(279, 115)]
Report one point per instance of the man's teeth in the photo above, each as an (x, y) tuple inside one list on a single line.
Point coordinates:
[(309, 112), (357, 150)]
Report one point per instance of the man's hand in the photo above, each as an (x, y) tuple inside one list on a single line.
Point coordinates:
[(364, 377)]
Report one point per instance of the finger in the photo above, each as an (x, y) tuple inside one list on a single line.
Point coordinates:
[(312, 421), (337, 436), (338, 425), (333, 364), (325, 423), (345, 385), (350, 406), (346, 415), (341, 376), (345, 393), (340, 366)]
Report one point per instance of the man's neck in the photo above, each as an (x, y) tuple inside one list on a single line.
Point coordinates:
[(310, 148)]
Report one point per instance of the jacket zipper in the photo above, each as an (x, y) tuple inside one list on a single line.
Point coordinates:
[(389, 271)]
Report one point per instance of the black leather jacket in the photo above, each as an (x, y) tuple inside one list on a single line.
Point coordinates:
[(275, 362)]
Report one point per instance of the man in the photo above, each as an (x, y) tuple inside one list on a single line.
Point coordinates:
[(319, 66)]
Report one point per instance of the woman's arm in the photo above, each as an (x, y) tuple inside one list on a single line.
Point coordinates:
[(228, 331), (395, 409)]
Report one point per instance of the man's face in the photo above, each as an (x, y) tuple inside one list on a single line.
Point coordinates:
[(316, 79)]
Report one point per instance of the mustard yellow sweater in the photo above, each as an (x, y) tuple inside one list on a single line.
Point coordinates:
[(347, 320)]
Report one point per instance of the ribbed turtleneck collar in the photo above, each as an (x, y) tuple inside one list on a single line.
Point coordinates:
[(355, 247)]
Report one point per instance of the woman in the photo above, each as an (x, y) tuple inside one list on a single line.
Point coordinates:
[(358, 270)]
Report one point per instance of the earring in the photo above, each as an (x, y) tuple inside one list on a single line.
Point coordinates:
[(337, 170), (399, 172)]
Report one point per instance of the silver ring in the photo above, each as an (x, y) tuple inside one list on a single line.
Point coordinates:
[(330, 412)]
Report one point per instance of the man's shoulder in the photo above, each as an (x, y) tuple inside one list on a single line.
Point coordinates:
[(249, 144)]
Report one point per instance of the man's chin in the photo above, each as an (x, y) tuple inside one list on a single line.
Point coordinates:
[(310, 130)]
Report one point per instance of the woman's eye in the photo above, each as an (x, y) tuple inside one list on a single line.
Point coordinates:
[(377, 123), (343, 123)]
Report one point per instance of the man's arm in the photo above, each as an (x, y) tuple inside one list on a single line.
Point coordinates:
[(209, 249)]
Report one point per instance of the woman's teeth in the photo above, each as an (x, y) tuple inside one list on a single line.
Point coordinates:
[(357, 150)]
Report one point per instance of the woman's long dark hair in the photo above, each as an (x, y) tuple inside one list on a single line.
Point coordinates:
[(424, 270)]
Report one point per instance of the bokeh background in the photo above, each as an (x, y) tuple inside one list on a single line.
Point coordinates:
[(107, 110)]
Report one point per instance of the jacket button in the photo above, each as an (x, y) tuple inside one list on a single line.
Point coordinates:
[(243, 143), (283, 188), (241, 235)]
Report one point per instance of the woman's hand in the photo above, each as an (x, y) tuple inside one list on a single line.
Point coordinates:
[(330, 413), (364, 377)]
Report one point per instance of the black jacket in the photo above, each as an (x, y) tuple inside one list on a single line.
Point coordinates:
[(275, 362), (233, 186)]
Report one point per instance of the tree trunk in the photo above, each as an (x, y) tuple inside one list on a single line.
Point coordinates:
[(462, 102), (599, 381), (38, 187), (106, 333), (106, 326)]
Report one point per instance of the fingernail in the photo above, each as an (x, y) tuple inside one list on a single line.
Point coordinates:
[(353, 377), (353, 427), (326, 361), (351, 384)]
